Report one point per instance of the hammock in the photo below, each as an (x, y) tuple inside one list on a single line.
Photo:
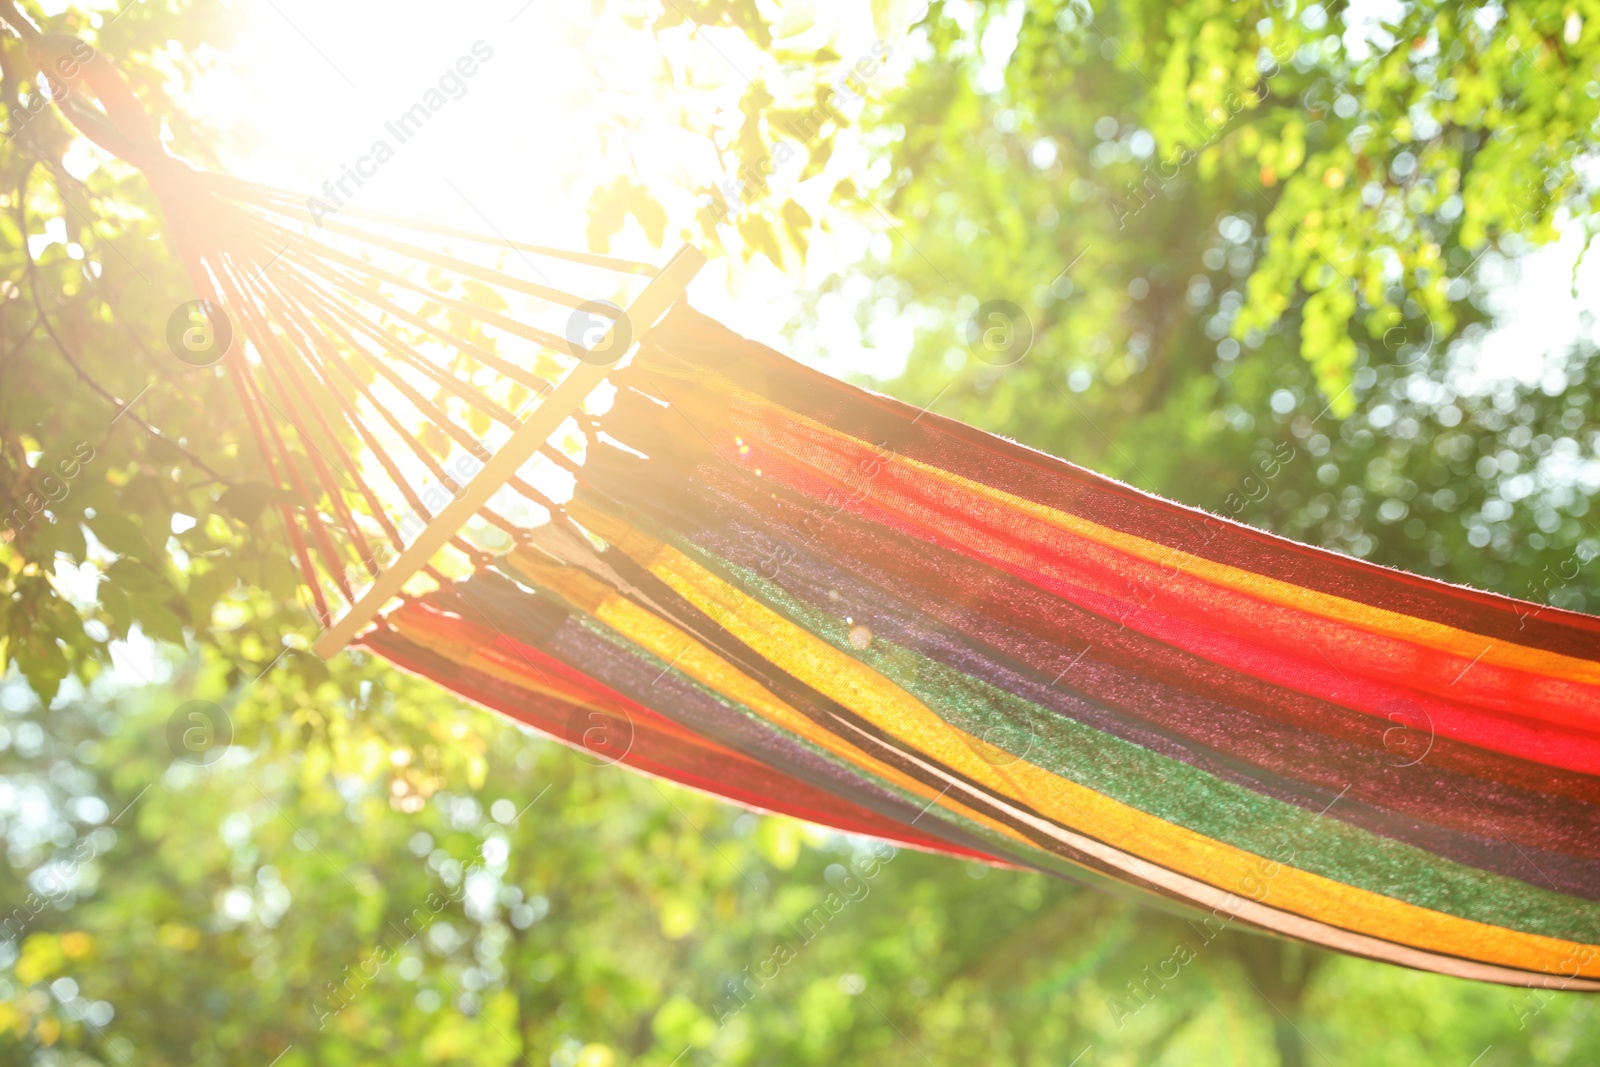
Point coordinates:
[(809, 599)]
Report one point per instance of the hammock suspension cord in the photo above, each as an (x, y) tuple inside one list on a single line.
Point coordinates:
[(317, 298)]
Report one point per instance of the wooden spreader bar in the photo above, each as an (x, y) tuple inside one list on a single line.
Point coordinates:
[(646, 310)]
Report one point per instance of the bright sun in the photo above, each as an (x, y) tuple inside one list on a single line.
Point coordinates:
[(505, 116)]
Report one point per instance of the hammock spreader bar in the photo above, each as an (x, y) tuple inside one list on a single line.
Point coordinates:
[(642, 314), (813, 600)]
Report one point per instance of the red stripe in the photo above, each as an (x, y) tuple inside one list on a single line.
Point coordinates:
[(672, 754), (1462, 788), (1042, 478), (1060, 573)]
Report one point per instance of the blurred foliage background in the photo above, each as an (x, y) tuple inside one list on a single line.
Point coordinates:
[(1256, 251)]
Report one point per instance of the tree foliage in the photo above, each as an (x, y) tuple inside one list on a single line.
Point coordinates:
[(1253, 247)]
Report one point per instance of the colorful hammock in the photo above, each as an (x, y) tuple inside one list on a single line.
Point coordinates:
[(811, 592), (809, 599)]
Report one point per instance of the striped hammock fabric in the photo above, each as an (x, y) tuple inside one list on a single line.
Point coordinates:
[(818, 601)]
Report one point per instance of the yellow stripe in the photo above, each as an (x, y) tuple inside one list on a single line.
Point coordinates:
[(1373, 619), (687, 655), (898, 714)]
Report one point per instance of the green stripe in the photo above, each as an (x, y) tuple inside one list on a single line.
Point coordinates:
[(1001, 845), (1187, 796)]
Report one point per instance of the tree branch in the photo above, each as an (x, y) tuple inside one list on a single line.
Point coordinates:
[(77, 368), (17, 21)]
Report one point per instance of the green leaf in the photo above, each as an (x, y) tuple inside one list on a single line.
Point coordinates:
[(279, 577), (121, 535), (246, 501), (206, 588)]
